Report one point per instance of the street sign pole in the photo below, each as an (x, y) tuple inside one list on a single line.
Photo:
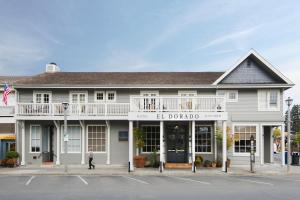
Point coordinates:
[(65, 106)]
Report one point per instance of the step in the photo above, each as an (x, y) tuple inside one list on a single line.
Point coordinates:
[(178, 165)]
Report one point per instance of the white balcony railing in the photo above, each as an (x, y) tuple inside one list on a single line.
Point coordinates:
[(87, 109), (177, 104), (7, 110)]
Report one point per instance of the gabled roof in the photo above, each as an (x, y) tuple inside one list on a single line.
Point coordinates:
[(120, 78), (11, 79), (268, 65)]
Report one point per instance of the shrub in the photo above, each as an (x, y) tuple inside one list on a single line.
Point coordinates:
[(199, 160), (219, 163), (153, 159), (207, 163), (12, 154)]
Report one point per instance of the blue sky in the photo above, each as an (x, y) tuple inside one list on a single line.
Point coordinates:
[(153, 35)]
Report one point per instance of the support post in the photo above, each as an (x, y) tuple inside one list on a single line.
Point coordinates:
[(82, 124), (193, 146), (130, 143), (108, 142), (215, 141), (282, 145), (224, 147), (57, 126), (23, 143), (161, 146)]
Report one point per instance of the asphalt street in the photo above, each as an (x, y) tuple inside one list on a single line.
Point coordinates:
[(149, 187)]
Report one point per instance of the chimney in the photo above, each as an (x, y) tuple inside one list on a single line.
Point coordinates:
[(52, 68)]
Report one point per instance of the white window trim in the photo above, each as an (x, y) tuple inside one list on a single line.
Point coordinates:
[(95, 96), (158, 152), (87, 139), (78, 92), (30, 149), (35, 92), (180, 92), (143, 92), (62, 151), (227, 95), (268, 108), (257, 137), (211, 139), (115, 96)]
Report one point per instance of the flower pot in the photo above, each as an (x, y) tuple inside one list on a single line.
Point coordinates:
[(214, 164), (139, 161)]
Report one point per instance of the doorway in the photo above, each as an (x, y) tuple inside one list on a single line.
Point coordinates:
[(47, 144), (267, 144), (177, 142)]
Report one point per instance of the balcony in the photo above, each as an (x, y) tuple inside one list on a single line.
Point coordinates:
[(87, 109), (7, 111), (177, 104)]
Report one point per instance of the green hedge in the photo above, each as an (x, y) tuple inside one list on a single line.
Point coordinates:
[(12, 154)]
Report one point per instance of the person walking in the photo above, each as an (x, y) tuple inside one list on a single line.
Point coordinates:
[(91, 157)]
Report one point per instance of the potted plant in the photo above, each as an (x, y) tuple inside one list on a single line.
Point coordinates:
[(198, 161), (11, 158), (214, 164), (207, 163), (139, 160), (229, 140)]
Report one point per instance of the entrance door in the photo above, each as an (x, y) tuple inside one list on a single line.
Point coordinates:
[(267, 144), (47, 144), (177, 140)]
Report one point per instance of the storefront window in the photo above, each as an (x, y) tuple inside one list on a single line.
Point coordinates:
[(203, 139), (35, 141), (242, 136), (96, 138), (74, 135), (151, 133)]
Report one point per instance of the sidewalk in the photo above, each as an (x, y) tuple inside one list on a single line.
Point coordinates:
[(272, 169)]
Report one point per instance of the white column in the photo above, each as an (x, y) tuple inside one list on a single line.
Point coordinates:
[(282, 145), (23, 143), (261, 142), (130, 144), (272, 144), (108, 143), (190, 142), (57, 126), (215, 141), (224, 146), (161, 142), (82, 124), (193, 143)]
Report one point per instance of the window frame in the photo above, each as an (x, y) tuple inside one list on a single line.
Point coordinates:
[(211, 138), (257, 138), (95, 96), (30, 140), (62, 150), (35, 92), (227, 95), (87, 138), (78, 93), (148, 152), (107, 95), (261, 92)]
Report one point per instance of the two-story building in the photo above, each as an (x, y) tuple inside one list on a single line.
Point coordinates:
[(180, 114)]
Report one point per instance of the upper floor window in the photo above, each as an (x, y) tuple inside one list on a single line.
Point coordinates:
[(111, 95), (78, 97), (230, 95), (42, 97), (149, 101), (99, 96), (268, 100)]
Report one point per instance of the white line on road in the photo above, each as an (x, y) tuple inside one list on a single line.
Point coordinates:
[(134, 179), (84, 181), (29, 181), (251, 181), (190, 180)]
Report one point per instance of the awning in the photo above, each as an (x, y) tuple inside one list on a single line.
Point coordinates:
[(7, 136)]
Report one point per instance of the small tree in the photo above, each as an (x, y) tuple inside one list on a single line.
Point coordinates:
[(297, 140), (139, 138)]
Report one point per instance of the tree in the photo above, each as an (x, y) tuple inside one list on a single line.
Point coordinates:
[(295, 119)]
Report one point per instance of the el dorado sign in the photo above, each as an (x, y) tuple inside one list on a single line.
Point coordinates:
[(177, 116)]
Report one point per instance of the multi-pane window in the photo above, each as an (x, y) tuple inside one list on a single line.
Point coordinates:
[(78, 97), (99, 96), (96, 138), (74, 136), (42, 97), (35, 141), (242, 134), (273, 98), (151, 133), (230, 95), (268, 100), (111, 95), (203, 136)]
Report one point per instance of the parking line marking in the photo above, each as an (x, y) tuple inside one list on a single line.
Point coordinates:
[(190, 180), (137, 180), (84, 181), (29, 180), (251, 181)]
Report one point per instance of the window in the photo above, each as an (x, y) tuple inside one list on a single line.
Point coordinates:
[(78, 97), (123, 135), (42, 97), (186, 103), (148, 102), (111, 95), (74, 135), (151, 133), (268, 100), (203, 137), (35, 138), (242, 136), (230, 95), (99, 96), (96, 138)]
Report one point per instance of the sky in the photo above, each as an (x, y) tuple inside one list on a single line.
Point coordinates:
[(152, 35)]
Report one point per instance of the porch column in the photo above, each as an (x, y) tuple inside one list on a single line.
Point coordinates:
[(161, 145), (224, 146), (193, 145), (261, 144), (108, 142), (190, 142), (57, 126), (215, 141), (130, 143), (23, 142), (82, 124), (282, 145)]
